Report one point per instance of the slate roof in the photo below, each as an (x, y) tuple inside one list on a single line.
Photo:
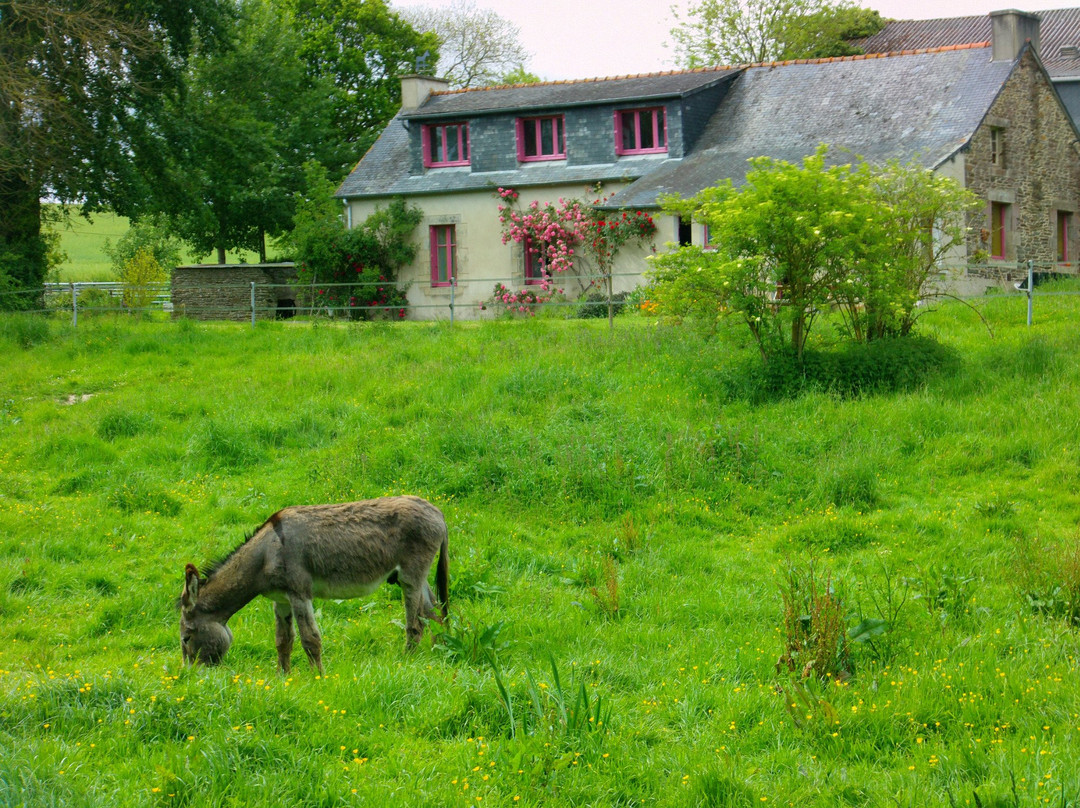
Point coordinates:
[(562, 94), (1059, 30), (921, 106), (384, 170)]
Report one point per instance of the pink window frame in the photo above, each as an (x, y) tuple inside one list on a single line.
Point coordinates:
[(1062, 237), (659, 132), (999, 219), (434, 134), (449, 246), (534, 265), (559, 126)]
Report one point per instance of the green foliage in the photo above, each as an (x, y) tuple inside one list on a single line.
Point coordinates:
[(814, 635), (719, 32), (250, 116), (355, 271), (795, 241), (852, 369), (1047, 577), (24, 330), (470, 643), (363, 48), (152, 235), (140, 272)]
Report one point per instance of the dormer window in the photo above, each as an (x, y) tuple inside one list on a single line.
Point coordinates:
[(446, 144), (541, 138), (640, 131)]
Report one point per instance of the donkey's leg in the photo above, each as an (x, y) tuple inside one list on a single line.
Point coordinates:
[(310, 639), (412, 592), (428, 602), (283, 616)]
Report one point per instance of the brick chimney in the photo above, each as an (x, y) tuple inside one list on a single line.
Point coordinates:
[(1011, 29), (415, 90)]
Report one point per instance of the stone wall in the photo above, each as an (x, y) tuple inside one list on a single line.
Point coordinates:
[(223, 291), (1040, 176)]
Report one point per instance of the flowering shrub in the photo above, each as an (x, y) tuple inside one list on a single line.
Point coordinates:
[(523, 302), (355, 271), (558, 233)]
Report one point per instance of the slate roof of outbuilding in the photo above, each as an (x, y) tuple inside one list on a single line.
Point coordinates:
[(1059, 29), (922, 105)]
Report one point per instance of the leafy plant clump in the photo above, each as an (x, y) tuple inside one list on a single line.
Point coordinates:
[(352, 272)]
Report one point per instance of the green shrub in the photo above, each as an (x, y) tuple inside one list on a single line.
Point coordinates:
[(25, 330), (852, 369)]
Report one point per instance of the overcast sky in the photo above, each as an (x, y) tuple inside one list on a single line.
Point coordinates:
[(573, 39)]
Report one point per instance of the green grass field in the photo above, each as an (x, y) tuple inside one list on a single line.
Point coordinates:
[(83, 242), (622, 522)]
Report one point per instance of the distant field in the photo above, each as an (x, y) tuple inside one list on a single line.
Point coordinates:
[(84, 240)]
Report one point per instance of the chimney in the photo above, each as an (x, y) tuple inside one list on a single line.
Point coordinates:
[(1011, 29), (415, 90)]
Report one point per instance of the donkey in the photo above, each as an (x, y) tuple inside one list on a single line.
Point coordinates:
[(318, 551)]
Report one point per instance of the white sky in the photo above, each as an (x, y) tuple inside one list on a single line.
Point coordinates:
[(573, 39)]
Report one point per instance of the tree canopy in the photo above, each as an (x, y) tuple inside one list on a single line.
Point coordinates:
[(717, 32), (363, 48), (83, 86), (477, 46)]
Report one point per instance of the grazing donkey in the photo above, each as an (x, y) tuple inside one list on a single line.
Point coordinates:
[(318, 551)]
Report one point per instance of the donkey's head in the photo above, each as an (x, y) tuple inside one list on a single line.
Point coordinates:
[(202, 638)]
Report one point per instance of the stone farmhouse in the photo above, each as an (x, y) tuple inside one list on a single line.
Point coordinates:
[(985, 113)]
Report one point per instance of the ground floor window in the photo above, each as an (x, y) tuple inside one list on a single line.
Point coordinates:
[(999, 229), (443, 254), (1064, 249), (535, 262)]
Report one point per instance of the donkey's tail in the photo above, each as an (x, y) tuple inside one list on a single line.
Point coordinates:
[(442, 575)]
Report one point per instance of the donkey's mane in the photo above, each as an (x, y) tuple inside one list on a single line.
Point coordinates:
[(211, 569)]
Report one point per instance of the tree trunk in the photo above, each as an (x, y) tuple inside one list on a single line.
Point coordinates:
[(262, 246), (23, 262), (221, 254)]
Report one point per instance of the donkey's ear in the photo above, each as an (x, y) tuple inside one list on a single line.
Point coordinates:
[(191, 588)]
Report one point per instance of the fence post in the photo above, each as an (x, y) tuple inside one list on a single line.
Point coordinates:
[(453, 286), (74, 305), (253, 304), (1030, 290)]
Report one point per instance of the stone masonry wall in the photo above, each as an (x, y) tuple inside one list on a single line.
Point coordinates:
[(223, 291), (1041, 175)]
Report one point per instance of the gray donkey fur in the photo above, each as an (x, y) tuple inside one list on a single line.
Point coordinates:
[(318, 551)]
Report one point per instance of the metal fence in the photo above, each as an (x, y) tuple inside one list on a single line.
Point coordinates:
[(263, 301)]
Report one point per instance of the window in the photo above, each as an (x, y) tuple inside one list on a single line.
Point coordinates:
[(997, 147), (535, 263), (706, 238), (1063, 220), (446, 145), (541, 138), (640, 131), (999, 224), (685, 231), (443, 254)]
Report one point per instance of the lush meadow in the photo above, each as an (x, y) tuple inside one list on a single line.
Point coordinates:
[(625, 520)]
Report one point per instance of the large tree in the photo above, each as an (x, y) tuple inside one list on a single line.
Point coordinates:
[(717, 32), (250, 117), (364, 48), (82, 89), (477, 46)]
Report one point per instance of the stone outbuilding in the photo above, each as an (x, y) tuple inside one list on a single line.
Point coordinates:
[(224, 291)]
